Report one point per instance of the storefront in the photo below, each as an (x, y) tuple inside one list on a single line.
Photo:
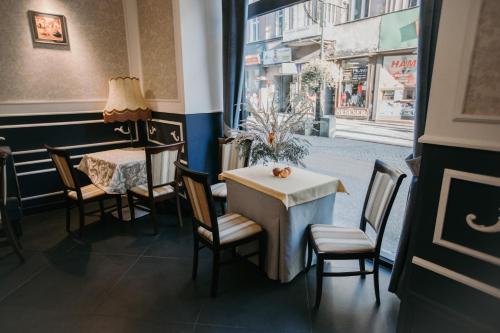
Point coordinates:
[(396, 88), (353, 91), (268, 75)]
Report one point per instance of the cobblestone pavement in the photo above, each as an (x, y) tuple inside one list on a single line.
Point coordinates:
[(352, 161)]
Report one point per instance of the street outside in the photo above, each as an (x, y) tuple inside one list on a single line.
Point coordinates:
[(349, 158)]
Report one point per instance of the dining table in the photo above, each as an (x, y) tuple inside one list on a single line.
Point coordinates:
[(283, 207), (116, 171)]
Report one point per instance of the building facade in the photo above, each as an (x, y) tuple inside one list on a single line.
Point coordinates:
[(370, 43)]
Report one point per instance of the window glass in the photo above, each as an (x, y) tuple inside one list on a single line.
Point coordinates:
[(354, 83)]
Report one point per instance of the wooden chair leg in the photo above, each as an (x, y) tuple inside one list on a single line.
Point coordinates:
[(68, 216), (131, 208), (375, 280), (262, 252), (309, 250), (154, 217), (81, 213), (195, 257), (362, 267), (119, 207), (215, 272), (101, 209), (319, 280), (12, 239), (179, 210)]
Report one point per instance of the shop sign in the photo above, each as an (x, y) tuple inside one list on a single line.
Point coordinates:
[(277, 56), (252, 59), (360, 73), (358, 113), (402, 68)]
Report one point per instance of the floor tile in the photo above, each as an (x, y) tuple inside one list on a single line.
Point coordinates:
[(26, 320), (76, 284), (248, 299), (157, 289), (348, 303), (106, 324), (226, 329)]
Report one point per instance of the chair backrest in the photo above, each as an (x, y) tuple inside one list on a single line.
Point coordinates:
[(160, 164), (200, 197), (3, 180), (382, 191), (62, 162), (231, 155)]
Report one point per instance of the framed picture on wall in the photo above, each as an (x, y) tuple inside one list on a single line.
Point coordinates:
[(48, 28)]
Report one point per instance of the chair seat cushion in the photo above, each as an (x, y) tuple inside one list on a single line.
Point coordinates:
[(142, 190), (88, 192), (232, 227), (219, 190), (332, 239)]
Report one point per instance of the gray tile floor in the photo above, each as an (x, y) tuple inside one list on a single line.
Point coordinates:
[(120, 278)]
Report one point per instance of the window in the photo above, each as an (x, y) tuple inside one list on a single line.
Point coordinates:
[(254, 30), (360, 9), (412, 3), (280, 23), (354, 83), (291, 17)]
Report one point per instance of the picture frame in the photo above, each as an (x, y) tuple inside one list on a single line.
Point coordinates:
[(48, 29)]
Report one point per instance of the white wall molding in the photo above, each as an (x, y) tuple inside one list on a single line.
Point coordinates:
[(166, 106), (460, 142), (133, 38), (178, 53), (47, 107), (461, 278)]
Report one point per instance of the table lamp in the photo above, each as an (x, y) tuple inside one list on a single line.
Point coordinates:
[(125, 103)]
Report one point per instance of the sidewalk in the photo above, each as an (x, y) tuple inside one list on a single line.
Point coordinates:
[(398, 134)]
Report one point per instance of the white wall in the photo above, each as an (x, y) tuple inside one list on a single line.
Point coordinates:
[(201, 43)]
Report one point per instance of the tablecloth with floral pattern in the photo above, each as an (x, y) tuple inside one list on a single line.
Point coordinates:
[(117, 170)]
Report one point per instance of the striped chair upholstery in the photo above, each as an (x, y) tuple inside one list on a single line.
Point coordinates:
[(232, 227), (88, 192), (232, 157), (380, 194), (199, 201), (157, 191), (64, 170), (162, 167), (219, 190), (329, 238)]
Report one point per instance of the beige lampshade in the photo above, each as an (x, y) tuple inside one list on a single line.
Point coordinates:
[(125, 101)]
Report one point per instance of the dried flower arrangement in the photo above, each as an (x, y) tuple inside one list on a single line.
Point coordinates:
[(270, 134)]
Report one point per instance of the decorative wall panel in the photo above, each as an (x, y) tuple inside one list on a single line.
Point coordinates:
[(156, 29), (97, 51)]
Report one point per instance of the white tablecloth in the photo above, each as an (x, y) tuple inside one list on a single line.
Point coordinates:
[(284, 208), (117, 170)]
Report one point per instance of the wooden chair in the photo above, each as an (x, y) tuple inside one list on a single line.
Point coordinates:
[(6, 223), (340, 243), (217, 233), (76, 194), (230, 158), (163, 183)]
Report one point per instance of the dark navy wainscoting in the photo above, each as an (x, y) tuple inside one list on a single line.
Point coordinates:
[(85, 132), (203, 129), (433, 302), (80, 133), (199, 131)]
